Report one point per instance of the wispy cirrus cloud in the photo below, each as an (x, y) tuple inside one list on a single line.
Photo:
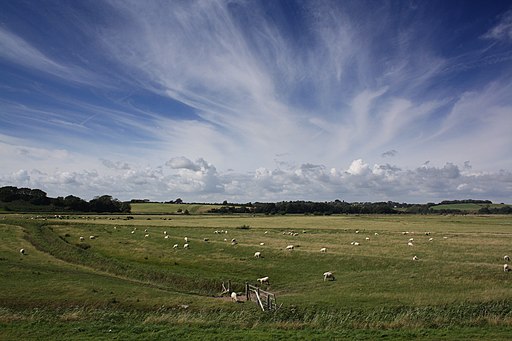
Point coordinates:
[(277, 96)]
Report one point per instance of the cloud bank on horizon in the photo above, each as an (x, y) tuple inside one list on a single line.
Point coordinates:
[(258, 100)]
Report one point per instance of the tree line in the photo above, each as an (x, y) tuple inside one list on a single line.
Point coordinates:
[(17, 199)]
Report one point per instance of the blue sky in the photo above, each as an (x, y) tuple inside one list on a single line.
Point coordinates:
[(257, 100)]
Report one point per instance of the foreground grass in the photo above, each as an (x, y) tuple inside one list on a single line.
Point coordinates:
[(124, 285)]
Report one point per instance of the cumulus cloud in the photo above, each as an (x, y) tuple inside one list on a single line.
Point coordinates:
[(200, 181)]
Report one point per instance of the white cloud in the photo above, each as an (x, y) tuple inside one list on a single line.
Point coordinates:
[(502, 30)]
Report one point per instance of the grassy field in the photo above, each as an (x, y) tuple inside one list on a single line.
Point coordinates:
[(124, 285), (161, 208)]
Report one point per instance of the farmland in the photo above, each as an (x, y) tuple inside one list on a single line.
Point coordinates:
[(130, 283)]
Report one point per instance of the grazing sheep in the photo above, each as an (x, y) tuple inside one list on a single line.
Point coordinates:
[(354, 243), (115, 227), (257, 254), (186, 246), (165, 233), (506, 268), (328, 274), (415, 258), (92, 237), (266, 232), (82, 239), (376, 234), (175, 246), (234, 296), (506, 258), (166, 237), (22, 251), (206, 239), (186, 239), (263, 280), (357, 231), (133, 231), (367, 238), (262, 244), (145, 230), (411, 239), (289, 247), (324, 249), (146, 235), (430, 239), (234, 242), (410, 244)]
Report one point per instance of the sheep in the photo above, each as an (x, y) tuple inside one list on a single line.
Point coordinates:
[(206, 239), (92, 237), (133, 231), (165, 233), (262, 244), (415, 258), (367, 238), (357, 231), (354, 243), (410, 244), (146, 235), (376, 234), (186, 239), (166, 237), (506, 268), (264, 280), (411, 239), (330, 275), (289, 247), (22, 251), (430, 239), (506, 258), (257, 254), (266, 232), (82, 239), (234, 296), (146, 230), (186, 246), (175, 246), (324, 249)]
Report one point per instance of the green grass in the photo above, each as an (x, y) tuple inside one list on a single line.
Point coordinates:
[(140, 287), (160, 208)]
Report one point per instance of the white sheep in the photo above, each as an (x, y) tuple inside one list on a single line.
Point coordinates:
[(82, 239), (133, 231), (257, 254), (263, 280), (22, 251), (290, 247), (175, 246), (166, 237), (206, 239), (186, 239), (324, 249), (330, 275), (367, 238), (415, 258), (430, 239), (92, 237), (186, 246), (376, 234), (234, 296), (165, 233), (145, 230), (506, 258), (410, 244), (354, 243), (506, 268), (262, 244), (146, 235)]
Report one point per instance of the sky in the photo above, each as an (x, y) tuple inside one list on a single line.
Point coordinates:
[(257, 101)]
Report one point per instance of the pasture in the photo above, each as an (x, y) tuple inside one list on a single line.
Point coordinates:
[(130, 283)]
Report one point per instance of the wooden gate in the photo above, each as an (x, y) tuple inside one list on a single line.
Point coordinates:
[(265, 300)]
